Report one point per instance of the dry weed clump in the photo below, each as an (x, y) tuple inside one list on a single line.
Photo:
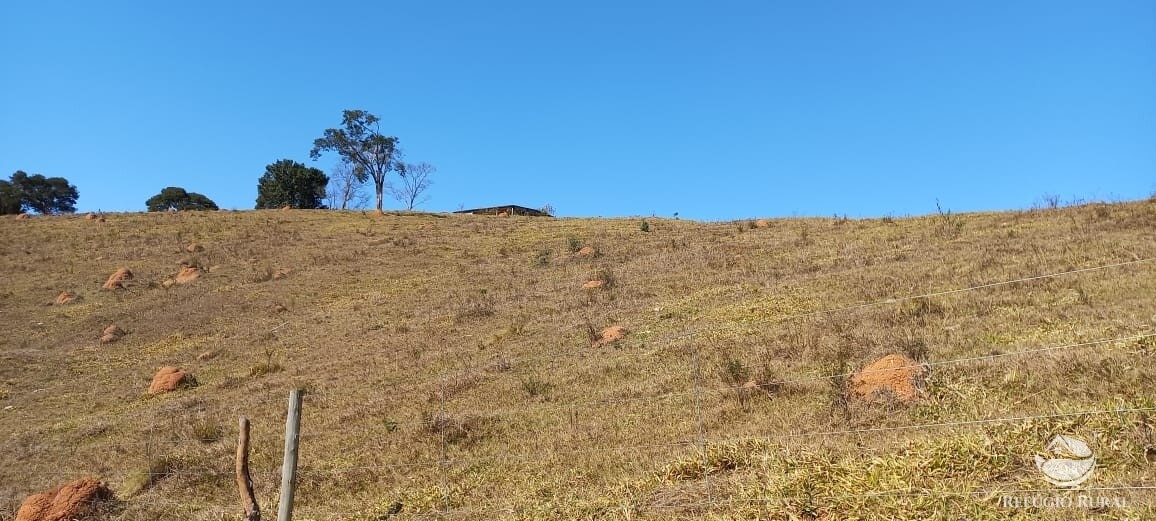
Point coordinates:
[(744, 383), (465, 429)]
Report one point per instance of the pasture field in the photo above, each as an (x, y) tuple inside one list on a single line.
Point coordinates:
[(450, 370)]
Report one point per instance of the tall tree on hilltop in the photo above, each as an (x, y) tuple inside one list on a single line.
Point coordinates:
[(361, 143), (45, 195), (289, 183)]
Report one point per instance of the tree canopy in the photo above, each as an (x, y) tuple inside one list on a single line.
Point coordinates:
[(360, 142), (289, 183), (10, 201), (176, 198), (45, 195)]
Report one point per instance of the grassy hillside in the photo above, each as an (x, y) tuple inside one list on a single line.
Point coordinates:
[(447, 362)]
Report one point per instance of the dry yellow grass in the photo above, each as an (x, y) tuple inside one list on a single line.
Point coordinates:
[(446, 361)]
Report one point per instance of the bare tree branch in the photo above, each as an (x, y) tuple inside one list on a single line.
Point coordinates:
[(411, 187), (346, 188)]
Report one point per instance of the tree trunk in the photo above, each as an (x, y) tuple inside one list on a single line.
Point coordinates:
[(379, 184)]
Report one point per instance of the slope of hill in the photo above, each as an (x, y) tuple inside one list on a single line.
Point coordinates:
[(448, 366)]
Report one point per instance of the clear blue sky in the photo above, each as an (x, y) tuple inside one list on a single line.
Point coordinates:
[(715, 110)]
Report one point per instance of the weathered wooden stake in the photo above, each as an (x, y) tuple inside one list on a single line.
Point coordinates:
[(289, 466), (244, 482)]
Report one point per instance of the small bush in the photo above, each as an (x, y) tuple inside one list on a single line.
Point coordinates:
[(535, 387), (543, 258), (142, 479), (476, 305), (573, 244), (644, 226), (454, 429), (949, 225), (264, 368), (206, 431), (606, 275)]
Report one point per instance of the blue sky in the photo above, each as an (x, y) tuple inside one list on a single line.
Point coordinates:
[(716, 110)]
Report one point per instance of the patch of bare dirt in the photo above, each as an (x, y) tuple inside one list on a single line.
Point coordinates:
[(378, 212), (91, 217), (111, 334), (65, 297), (762, 223), (286, 208), (586, 251), (610, 335), (170, 379), (187, 275), (503, 213), (593, 284), (194, 247), (117, 280), (891, 376), (23, 216), (81, 500)]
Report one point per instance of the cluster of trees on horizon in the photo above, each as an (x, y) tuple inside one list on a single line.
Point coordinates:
[(35, 193), (366, 155)]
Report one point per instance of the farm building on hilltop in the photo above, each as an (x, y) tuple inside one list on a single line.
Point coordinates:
[(506, 210)]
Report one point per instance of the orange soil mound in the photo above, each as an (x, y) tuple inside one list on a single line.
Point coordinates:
[(378, 212), (91, 217), (82, 499), (593, 284), (111, 334), (286, 208), (65, 297), (281, 273), (503, 214), (762, 223), (586, 251), (610, 335), (194, 247), (170, 379), (116, 280), (187, 274), (896, 375), (23, 216)]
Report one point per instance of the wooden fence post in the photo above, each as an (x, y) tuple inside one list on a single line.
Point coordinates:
[(244, 481), (289, 465)]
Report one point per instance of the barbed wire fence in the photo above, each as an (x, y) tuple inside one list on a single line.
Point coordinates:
[(697, 439)]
